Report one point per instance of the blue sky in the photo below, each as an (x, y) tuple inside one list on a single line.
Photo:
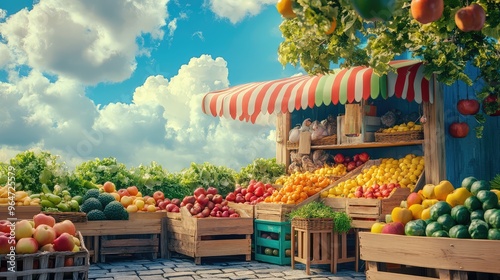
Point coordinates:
[(83, 80)]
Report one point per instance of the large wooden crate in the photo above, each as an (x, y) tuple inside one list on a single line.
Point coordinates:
[(278, 212), (47, 265), (446, 258), (365, 211), (209, 237), (20, 212), (142, 233), (249, 209)]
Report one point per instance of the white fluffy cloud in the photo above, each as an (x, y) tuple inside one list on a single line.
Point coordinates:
[(164, 123), (91, 41), (237, 10)]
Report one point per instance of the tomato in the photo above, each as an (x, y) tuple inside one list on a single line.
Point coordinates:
[(458, 129), (259, 191), (426, 11), (468, 106), (374, 10), (284, 7)]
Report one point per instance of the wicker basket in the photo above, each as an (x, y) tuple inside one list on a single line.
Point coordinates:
[(313, 223), (75, 217), (401, 136), (327, 140)]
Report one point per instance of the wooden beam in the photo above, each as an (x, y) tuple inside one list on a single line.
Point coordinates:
[(434, 141), (282, 129)]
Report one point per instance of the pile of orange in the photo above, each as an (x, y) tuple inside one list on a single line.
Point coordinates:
[(298, 187)]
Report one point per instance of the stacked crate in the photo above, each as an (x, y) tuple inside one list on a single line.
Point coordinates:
[(272, 242)]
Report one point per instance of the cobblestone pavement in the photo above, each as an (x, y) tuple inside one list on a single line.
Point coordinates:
[(186, 269)]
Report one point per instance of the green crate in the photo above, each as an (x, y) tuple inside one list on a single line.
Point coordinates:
[(279, 241)]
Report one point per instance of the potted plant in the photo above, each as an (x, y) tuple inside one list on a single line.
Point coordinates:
[(316, 216)]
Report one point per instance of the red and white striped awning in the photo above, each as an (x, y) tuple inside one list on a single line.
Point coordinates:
[(245, 102)]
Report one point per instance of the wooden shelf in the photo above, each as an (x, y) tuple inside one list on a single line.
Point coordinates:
[(365, 145)]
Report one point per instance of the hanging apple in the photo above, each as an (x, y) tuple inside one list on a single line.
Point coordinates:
[(374, 10), (470, 18), (426, 11), (468, 106), (490, 104), (458, 129)]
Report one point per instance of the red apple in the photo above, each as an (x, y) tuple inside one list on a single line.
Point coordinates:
[(231, 196), (470, 18), (123, 192), (158, 195), (64, 242), (217, 198), (5, 244), (47, 248), (189, 199), (26, 245), (4, 226), (132, 190), (426, 11), (109, 187), (176, 201), (364, 157), (394, 228), (338, 158), (212, 190), (44, 234), (198, 191), (458, 129), (24, 229), (42, 219), (65, 226), (351, 166), (468, 106)]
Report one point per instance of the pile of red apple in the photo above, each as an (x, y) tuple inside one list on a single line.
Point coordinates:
[(208, 203), (255, 192), (351, 162), (40, 234), (376, 191)]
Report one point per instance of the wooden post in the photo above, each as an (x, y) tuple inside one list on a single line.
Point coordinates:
[(434, 145), (282, 129)]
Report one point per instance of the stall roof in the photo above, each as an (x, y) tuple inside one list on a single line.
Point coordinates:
[(245, 102)]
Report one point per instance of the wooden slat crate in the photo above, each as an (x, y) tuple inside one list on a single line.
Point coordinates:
[(20, 212), (449, 258), (312, 247), (363, 211), (99, 233), (249, 209), (209, 237), (278, 212), (48, 265)]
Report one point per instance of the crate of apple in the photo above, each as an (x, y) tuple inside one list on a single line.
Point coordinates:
[(376, 191), (255, 192), (351, 162), (208, 203)]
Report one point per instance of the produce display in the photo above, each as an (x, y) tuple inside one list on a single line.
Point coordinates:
[(409, 126), (208, 202), (469, 211), (42, 234), (255, 192), (373, 182), (298, 187)]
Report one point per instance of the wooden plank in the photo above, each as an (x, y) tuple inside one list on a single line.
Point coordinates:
[(365, 145), (441, 253), (249, 209), (227, 247), (380, 275), (163, 239), (99, 228), (282, 129), (305, 142), (129, 242), (129, 250), (158, 215), (21, 212), (434, 137)]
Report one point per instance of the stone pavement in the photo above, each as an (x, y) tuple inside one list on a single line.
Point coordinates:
[(181, 268)]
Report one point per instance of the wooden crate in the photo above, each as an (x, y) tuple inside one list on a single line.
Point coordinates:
[(312, 247), (20, 212), (278, 212), (450, 258), (249, 209), (209, 237), (363, 211), (47, 265), (104, 233)]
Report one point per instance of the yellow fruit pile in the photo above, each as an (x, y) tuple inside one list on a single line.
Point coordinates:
[(409, 126), (337, 170), (404, 171), (20, 197)]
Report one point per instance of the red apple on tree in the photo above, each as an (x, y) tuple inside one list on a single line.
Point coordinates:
[(426, 11), (470, 18), (468, 106), (458, 129)]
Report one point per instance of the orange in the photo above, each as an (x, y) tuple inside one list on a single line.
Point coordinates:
[(284, 7)]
